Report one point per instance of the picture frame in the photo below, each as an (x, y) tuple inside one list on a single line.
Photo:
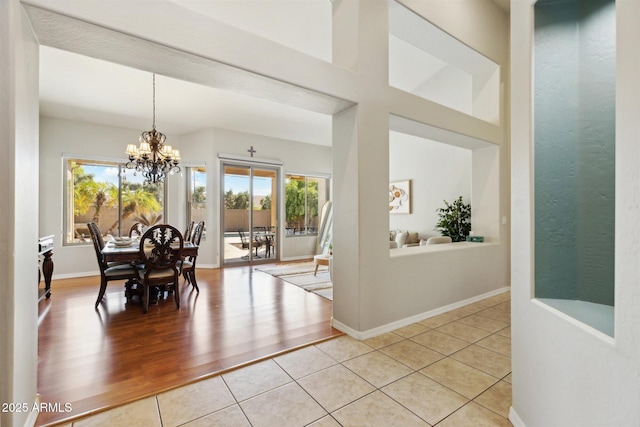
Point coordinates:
[(400, 197)]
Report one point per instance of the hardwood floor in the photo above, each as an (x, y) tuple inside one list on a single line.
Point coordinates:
[(99, 358)]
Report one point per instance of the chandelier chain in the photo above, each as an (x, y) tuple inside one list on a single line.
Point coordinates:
[(153, 159), (154, 101)]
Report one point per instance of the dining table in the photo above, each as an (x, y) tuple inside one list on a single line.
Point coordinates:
[(269, 239), (131, 253)]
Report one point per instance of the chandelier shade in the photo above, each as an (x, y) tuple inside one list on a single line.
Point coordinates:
[(152, 158)]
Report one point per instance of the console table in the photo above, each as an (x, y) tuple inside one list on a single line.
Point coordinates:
[(45, 252)]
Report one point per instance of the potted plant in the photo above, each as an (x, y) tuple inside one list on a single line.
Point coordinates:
[(455, 220)]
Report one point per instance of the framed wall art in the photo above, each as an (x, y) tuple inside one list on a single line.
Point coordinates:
[(400, 197)]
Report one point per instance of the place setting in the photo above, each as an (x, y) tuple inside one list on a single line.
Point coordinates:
[(123, 242)]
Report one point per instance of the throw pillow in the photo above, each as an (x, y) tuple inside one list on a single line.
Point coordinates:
[(412, 238), (401, 238)]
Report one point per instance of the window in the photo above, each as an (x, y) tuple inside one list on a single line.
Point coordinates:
[(106, 193), (197, 195), (304, 196)]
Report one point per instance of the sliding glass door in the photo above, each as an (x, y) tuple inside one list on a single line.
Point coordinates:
[(249, 213)]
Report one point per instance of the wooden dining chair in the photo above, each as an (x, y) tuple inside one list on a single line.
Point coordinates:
[(187, 265), (187, 236), (111, 271), (136, 230), (160, 249)]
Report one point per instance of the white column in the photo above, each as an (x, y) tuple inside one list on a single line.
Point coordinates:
[(19, 211)]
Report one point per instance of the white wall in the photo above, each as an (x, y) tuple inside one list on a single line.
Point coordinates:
[(373, 290), (71, 138), (487, 217), (565, 373), (18, 228), (437, 171)]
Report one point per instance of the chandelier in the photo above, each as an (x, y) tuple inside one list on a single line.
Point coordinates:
[(152, 158)]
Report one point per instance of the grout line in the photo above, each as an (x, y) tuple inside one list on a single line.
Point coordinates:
[(375, 388)]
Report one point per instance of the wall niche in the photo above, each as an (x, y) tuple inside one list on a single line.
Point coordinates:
[(574, 152)]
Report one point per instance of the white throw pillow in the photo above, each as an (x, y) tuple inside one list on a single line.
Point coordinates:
[(401, 238)]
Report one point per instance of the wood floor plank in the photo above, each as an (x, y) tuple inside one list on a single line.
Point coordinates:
[(96, 359)]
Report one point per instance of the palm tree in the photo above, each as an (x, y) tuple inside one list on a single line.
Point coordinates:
[(138, 201), (104, 195), (84, 190), (148, 220), (88, 193)]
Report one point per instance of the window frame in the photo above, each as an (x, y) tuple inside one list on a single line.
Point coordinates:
[(68, 204), (327, 196), (189, 193)]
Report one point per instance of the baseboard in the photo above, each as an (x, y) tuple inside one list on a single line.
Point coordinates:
[(515, 419), (347, 330), (208, 266), (75, 275), (363, 335)]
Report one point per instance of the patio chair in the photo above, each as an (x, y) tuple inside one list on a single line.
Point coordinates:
[(245, 241)]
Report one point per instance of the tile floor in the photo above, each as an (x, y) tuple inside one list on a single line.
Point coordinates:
[(449, 370)]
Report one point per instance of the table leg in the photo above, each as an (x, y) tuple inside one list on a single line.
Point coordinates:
[(47, 270)]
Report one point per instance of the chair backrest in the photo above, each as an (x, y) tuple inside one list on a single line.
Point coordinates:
[(438, 240), (188, 232), (197, 233), (160, 247), (243, 237), (98, 243), (136, 229)]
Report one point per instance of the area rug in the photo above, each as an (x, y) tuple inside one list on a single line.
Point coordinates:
[(286, 269), (301, 275)]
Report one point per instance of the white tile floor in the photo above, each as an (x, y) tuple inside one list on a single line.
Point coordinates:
[(450, 370)]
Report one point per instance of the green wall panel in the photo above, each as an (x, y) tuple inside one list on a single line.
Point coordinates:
[(574, 150)]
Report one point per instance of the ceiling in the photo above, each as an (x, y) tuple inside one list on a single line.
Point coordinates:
[(78, 87), (82, 88)]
